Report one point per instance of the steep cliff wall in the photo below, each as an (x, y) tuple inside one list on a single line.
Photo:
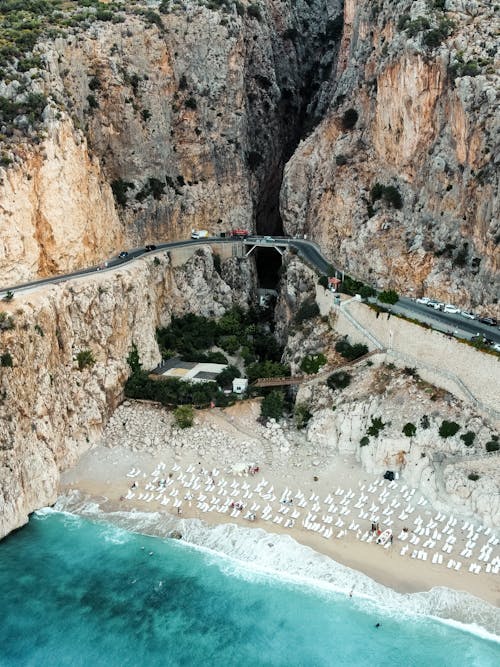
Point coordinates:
[(188, 114), (50, 411), (414, 111)]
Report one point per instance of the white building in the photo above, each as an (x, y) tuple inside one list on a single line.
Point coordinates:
[(240, 385)]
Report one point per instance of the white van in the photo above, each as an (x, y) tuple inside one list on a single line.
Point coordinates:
[(199, 234)]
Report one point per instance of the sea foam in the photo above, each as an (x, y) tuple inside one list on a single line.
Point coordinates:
[(252, 553)]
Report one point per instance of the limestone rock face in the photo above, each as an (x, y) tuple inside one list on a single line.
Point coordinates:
[(188, 115), (426, 125), (439, 467), (50, 411), (57, 209)]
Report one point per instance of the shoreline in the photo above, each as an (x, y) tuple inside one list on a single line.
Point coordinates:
[(304, 565), (185, 463)]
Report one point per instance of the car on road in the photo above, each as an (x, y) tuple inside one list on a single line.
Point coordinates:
[(268, 239), (469, 316), (123, 254), (450, 308), (423, 299), (437, 305), (491, 321), (149, 247), (496, 347)]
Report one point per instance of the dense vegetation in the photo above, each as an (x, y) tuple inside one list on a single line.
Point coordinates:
[(191, 337)]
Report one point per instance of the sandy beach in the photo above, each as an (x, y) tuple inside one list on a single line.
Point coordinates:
[(322, 500)]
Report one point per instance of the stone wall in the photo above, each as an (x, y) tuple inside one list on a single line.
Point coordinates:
[(438, 358)]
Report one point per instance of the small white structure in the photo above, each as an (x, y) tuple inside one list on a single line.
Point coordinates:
[(240, 385)]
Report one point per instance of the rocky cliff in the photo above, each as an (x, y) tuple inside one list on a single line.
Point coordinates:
[(367, 419), (137, 121), (399, 182), (51, 410)]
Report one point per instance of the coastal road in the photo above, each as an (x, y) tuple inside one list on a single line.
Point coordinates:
[(311, 254)]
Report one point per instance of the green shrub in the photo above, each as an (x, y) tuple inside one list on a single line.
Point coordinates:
[(468, 438), (266, 369), (376, 427), (184, 416), (339, 380), (389, 296), (491, 446), (226, 377), (307, 311), (7, 321), (230, 344), (409, 429), (272, 405), (473, 476), (323, 281), (190, 103), (364, 441), (389, 193), (448, 429), (92, 102), (6, 360), (350, 352), (253, 10), (85, 358), (302, 415), (349, 119), (312, 363), (9, 295), (119, 188), (133, 359)]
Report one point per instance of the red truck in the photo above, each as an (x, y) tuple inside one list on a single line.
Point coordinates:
[(240, 232)]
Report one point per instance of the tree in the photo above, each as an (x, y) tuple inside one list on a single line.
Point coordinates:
[(272, 405), (267, 369), (8, 296), (339, 380), (133, 359), (468, 438), (312, 363), (409, 429), (447, 429), (226, 377), (184, 416), (389, 296)]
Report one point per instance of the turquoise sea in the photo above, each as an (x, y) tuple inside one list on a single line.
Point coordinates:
[(81, 592)]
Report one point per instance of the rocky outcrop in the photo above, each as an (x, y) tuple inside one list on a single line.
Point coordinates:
[(50, 410), (414, 111), (439, 466)]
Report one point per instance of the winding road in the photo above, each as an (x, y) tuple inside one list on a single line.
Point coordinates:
[(311, 254)]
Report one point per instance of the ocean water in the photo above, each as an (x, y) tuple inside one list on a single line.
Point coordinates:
[(76, 591)]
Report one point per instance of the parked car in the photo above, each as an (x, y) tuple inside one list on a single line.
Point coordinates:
[(423, 299), (123, 254), (488, 320), (469, 316), (496, 347), (450, 308), (432, 303), (150, 247)]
